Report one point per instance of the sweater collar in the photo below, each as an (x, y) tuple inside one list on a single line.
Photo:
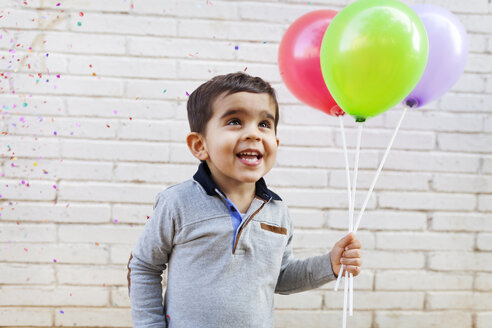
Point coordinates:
[(204, 178)]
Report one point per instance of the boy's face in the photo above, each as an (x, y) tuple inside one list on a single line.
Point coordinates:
[(240, 140)]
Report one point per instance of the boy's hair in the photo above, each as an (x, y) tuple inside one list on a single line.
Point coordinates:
[(200, 102)]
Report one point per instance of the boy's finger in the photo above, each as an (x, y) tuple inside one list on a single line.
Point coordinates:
[(355, 244), (353, 253)]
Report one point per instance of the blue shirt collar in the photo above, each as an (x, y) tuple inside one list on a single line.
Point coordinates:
[(204, 178)]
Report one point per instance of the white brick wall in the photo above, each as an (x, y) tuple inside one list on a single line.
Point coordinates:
[(93, 120)]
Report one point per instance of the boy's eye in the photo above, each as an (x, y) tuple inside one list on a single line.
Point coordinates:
[(234, 121), (265, 124)]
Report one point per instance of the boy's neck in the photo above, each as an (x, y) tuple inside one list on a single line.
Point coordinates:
[(241, 196)]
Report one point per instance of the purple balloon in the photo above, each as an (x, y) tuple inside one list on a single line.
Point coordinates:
[(448, 51)]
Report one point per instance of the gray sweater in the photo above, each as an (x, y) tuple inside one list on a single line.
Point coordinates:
[(212, 283)]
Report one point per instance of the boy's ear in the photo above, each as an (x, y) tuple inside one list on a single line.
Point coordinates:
[(278, 142), (196, 144)]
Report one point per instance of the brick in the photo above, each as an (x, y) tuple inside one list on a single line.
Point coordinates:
[(465, 102), (22, 316), (432, 162), (435, 121), (89, 275), (119, 297), (63, 127), (484, 242), (456, 6), (49, 296), (470, 83), (320, 198), (121, 253), (483, 319), (305, 136), (278, 13), (59, 212), (106, 107), (38, 63), (122, 67), (459, 300), (77, 43), (479, 63), (262, 52), (75, 85), (47, 253), (460, 261), (485, 203), (123, 24), (326, 239), (145, 130), (108, 5), (181, 47), (392, 260), (234, 31), (30, 190), (41, 105), (106, 317), (310, 300), (363, 281), (386, 180), (98, 233), (476, 23), (421, 241), (212, 10), (287, 319), (132, 213), (465, 142), (205, 70), (114, 150), (487, 124), (179, 153), (461, 222), (381, 220), (483, 281), (462, 183), (28, 233), (322, 158), (167, 174), (284, 177), (33, 147), (422, 280), (407, 319), (307, 218), (413, 140), (22, 274), (378, 300), (110, 192), (426, 201), (40, 169), (151, 89)]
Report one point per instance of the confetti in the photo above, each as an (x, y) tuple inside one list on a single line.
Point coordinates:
[(79, 23), (54, 186), (58, 4), (187, 93), (81, 14), (61, 311), (236, 47), (115, 221), (54, 260), (165, 90), (115, 111)]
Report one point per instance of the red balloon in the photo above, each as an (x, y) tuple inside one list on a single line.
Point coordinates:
[(299, 61)]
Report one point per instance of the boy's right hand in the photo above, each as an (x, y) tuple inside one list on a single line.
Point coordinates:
[(347, 252)]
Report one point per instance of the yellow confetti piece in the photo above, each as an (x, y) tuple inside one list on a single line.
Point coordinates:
[(35, 164)]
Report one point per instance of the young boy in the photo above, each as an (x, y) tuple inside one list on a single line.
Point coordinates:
[(224, 236)]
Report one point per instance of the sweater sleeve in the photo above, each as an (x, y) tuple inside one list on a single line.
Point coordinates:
[(301, 275), (149, 260)]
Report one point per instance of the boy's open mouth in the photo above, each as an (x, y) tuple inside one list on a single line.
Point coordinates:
[(251, 156)]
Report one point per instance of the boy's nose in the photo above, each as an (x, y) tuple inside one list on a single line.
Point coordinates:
[(252, 133)]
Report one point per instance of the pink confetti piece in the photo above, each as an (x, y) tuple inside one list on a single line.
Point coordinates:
[(54, 260), (54, 186), (187, 93)]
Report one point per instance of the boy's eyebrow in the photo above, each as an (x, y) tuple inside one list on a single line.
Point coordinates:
[(234, 111)]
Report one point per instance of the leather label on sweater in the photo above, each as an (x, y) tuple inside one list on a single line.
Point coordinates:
[(272, 228)]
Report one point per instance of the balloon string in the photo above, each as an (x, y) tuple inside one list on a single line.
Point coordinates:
[(352, 209), (349, 196), (373, 184)]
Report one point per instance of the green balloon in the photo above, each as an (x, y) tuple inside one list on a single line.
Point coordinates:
[(373, 55)]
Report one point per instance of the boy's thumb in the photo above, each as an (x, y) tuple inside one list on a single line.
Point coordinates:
[(345, 241)]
